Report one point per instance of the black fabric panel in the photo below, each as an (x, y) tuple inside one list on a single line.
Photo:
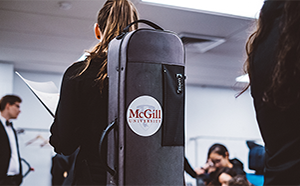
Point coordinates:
[(143, 79), (174, 91), (146, 161), (155, 47)]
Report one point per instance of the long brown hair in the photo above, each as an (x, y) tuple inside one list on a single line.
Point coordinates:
[(113, 17), (284, 90)]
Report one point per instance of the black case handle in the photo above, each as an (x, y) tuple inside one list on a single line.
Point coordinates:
[(126, 30), (101, 145)]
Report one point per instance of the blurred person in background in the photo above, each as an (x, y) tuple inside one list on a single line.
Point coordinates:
[(10, 161)]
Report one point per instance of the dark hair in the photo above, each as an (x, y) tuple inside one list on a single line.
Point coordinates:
[(215, 175), (284, 90), (217, 148), (239, 180), (10, 99), (113, 17), (229, 171)]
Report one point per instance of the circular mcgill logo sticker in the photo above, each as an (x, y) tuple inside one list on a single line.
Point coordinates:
[(144, 115)]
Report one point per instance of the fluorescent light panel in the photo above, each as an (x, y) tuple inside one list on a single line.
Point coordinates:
[(244, 8)]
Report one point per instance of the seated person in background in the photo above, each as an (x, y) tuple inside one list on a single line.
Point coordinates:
[(217, 159), (222, 177), (228, 177), (239, 180)]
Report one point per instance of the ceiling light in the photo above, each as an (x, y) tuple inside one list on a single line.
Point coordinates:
[(244, 8)]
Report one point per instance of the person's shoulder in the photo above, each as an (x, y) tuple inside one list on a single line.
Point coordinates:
[(84, 68), (75, 68), (236, 161), (78, 65), (97, 62), (94, 67), (238, 165)]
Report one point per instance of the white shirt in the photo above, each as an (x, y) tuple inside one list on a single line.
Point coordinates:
[(14, 166)]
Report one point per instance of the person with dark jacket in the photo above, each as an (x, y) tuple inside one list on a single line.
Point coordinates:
[(273, 65), (81, 115), (10, 160)]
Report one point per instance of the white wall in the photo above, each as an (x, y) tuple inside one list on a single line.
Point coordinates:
[(6, 79), (214, 115)]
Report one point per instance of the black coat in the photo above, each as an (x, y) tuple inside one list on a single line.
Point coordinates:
[(80, 119), (5, 153)]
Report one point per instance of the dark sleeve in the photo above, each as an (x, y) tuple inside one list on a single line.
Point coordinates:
[(59, 166), (66, 130), (189, 169)]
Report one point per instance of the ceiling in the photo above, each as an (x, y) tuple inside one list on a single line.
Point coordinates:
[(39, 36)]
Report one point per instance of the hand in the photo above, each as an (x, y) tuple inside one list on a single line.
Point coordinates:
[(199, 171), (208, 167)]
